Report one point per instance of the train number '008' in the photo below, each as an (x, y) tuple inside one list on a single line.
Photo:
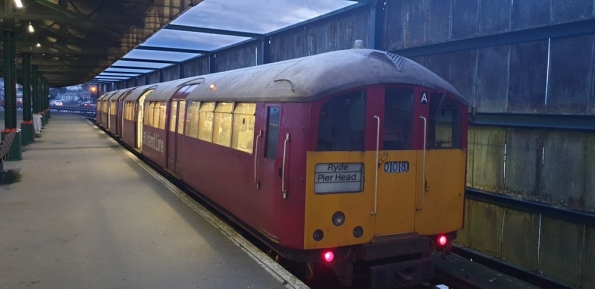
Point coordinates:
[(396, 167)]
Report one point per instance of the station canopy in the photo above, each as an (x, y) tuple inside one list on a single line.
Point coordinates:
[(77, 41)]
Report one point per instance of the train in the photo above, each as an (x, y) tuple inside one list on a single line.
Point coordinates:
[(342, 159)]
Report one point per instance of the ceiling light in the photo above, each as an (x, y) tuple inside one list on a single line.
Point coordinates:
[(31, 29), (38, 45), (18, 3)]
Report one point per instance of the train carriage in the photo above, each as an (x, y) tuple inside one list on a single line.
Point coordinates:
[(115, 111), (356, 154), (102, 110), (132, 116)]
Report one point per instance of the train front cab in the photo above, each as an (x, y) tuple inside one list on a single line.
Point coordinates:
[(386, 171)]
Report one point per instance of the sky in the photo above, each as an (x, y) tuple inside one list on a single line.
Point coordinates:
[(256, 16)]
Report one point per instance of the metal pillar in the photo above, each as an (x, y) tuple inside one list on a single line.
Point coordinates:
[(10, 93), (37, 123), (10, 82), (35, 88), (43, 99), (27, 128)]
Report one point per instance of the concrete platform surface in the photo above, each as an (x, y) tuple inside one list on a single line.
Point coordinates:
[(85, 214)]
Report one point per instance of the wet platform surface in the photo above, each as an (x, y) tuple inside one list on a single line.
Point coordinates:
[(86, 214)]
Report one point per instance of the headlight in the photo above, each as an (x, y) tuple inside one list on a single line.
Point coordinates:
[(338, 218), (358, 231), (318, 235)]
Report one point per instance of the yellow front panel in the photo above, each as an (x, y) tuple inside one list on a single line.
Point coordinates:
[(441, 208), (356, 206), (400, 208), (396, 193)]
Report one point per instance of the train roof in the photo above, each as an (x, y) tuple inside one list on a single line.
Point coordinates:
[(312, 77)]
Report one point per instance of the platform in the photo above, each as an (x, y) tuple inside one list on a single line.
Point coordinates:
[(87, 214)]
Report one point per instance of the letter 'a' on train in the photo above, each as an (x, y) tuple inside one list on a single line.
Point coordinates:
[(340, 159)]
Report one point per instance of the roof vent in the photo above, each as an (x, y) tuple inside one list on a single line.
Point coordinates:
[(394, 60), (358, 44)]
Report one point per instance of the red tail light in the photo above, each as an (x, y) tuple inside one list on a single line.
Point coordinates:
[(442, 240), (328, 256)]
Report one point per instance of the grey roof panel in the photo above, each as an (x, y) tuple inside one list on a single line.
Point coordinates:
[(312, 77)]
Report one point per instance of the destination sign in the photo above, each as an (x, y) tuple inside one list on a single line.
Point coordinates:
[(338, 178)]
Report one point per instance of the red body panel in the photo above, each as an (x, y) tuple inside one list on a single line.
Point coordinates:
[(103, 117), (226, 176), (154, 145), (129, 133), (113, 127)]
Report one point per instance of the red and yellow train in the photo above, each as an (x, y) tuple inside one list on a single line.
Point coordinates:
[(346, 157)]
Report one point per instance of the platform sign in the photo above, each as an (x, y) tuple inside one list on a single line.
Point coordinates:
[(339, 178)]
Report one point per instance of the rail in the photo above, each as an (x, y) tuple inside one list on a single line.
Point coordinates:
[(506, 268), (577, 217)]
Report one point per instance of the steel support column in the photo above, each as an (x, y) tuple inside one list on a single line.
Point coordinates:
[(372, 24), (10, 82), (27, 125), (10, 93), (45, 100), (37, 123), (35, 88), (265, 51), (212, 63)]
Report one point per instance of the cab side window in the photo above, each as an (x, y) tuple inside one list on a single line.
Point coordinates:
[(341, 123), (445, 123)]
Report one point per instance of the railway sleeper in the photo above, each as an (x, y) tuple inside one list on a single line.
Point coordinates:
[(401, 274)]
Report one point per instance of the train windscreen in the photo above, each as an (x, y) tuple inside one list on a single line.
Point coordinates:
[(341, 123)]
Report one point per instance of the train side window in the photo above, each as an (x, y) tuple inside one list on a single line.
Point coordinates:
[(156, 114), (192, 119), (129, 111), (151, 114), (205, 125), (113, 107), (162, 114), (341, 123), (445, 123), (243, 127), (222, 124), (398, 115), (181, 116), (273, 118), (130, 114), (174, 116)]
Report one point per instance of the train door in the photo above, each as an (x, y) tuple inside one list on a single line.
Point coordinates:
[(268, 153), (176, 128), (397, 161), (109, 113), (120, 115), (441, 163), (140, 118)]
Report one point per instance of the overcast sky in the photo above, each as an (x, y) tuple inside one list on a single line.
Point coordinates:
[(258, 16)]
